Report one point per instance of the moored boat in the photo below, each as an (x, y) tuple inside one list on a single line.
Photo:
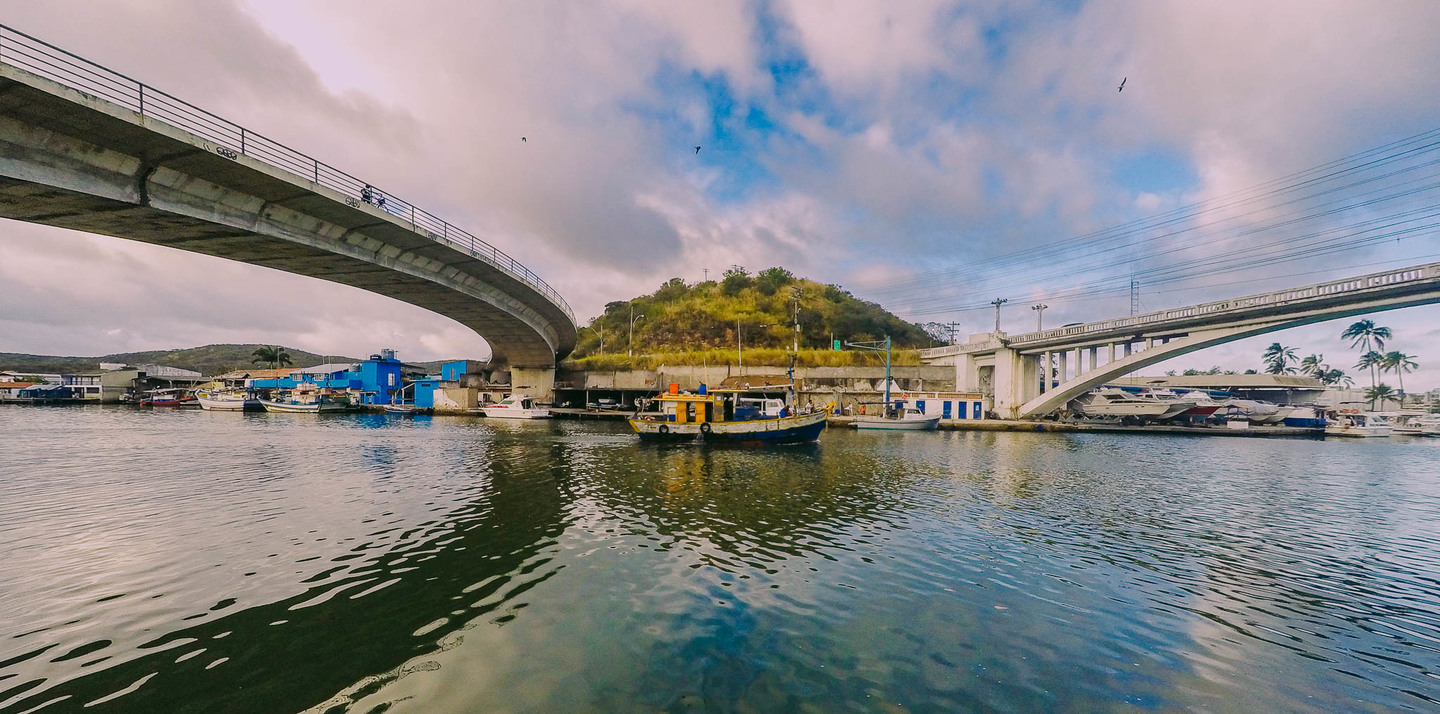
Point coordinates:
[(175, 397), (1305, 418), (516, 406), (306, 402), (729, 416), (1111, 402), (228, 400), (1363, 424), (404, 409), (903, 420)]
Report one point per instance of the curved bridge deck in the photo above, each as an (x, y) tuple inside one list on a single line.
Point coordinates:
[(88, 149)]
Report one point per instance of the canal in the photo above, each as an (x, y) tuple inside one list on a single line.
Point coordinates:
[(183, 561)]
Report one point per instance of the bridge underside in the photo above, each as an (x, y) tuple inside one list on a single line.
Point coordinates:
[(75, 162), (1021, 397)]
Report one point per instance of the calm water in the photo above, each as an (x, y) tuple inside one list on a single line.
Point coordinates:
[(200, 562)]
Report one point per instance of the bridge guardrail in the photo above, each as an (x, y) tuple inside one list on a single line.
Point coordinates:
[(1309, 292), (50, 62), (1364, 282)]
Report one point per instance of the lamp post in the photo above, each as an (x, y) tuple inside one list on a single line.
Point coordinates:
[(1039, 315), (598, 333), (630, 340)]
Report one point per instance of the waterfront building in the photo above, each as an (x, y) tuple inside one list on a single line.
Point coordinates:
[(10, 391)]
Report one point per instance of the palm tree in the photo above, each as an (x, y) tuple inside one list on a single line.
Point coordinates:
[(1336, 378), (276, 357), (1399, 363), (1371, 360), (1380, 393), (1278, 358), (1314, 366), (1364, 333)]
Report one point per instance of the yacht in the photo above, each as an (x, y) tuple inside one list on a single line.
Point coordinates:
[(1112, 402), (516, 406), (1361, 424)]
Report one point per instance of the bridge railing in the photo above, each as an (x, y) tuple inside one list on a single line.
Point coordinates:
[(232, 140), (1309, 292)]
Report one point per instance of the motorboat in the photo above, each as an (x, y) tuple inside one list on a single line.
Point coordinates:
[(404, 409), (1112, 402), (1305, 418), (516, 406), (1362, 424), (176, 397), (306, 402), (907, 419), (1205, 405), (1256, 411), (732, 416), (228, 400), (1414, 423)]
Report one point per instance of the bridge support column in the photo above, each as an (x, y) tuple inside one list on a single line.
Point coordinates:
[(1094, 358), (1009, 382), (1062, 367), (967, 375), (538, 382), (1046, 367), (1128, 348)]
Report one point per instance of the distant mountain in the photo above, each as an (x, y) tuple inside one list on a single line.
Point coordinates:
[(209, 360), (685, 316)]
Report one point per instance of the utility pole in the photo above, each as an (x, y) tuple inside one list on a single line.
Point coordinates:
[(1039, 316), (707, 275), (997, 302), (1134, 296)]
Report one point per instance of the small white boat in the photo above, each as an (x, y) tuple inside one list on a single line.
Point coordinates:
[(403, 409), (1365, 424), (516, 406), (908, 420), (228, 400)]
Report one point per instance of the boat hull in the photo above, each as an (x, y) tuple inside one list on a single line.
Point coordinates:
[(1357, 431), (509, 413), (784, 430), (230, 405), (287, 408)]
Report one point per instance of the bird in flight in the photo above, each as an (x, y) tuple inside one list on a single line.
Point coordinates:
[(1122, 85), (697, 149), (522, 140)]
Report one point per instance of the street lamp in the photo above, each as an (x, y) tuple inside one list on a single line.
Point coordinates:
[(598, 333), (739, 346), (630, 340), (1039, 315)]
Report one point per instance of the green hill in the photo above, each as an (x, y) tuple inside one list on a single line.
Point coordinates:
[(681, 317), (210, 360)]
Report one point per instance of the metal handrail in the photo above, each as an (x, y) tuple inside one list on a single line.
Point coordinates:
[(43, 59)]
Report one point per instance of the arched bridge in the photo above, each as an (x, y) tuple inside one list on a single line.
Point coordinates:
[(1088, 355), (89, 149)]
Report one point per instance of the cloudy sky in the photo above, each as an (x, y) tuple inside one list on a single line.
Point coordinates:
[(928, 155)]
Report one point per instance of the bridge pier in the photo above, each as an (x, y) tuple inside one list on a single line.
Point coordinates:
[(538, 382)]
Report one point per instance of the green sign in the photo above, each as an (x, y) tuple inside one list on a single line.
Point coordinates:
[(837, 345)]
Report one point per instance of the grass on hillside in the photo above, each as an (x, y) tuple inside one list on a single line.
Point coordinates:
[(759, 357)]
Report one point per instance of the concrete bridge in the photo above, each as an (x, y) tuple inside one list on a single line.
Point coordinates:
[(85, 148), (1088, 355)]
